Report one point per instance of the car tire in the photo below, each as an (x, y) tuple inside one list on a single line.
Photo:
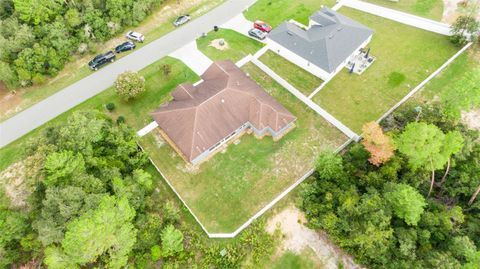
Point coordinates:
[(95, 69), (112, 60)]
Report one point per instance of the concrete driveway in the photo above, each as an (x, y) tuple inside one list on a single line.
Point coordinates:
[(239, 23), (76, 93), (194, 58)]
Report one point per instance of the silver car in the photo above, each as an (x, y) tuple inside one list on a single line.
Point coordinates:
[(135, 36), (257, 33), (182, 20)]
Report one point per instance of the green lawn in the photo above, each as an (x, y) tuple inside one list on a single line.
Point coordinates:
[(77, 70), (405, 57), (158, 87), (446, 80), (299, 78), (229, 188), (275, 12), (237, 45), (432, 9)]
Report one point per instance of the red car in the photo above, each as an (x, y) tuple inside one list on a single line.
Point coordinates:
[(262, 26)]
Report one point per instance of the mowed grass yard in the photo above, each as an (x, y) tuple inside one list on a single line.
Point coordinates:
[(232, 186), (237, 46), (136, 112), (405, 57), (431, 9), (274, 12), (304, 81)]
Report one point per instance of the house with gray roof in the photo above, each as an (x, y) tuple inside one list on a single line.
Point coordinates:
[(323, 47)]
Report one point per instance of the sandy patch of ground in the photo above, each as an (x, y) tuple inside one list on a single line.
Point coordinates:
[(9, 101), (297, 237), (472, 119), (219, 44), (451, 11), (12, 180)]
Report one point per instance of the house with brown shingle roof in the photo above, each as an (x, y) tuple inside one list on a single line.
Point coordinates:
[(227, 103)]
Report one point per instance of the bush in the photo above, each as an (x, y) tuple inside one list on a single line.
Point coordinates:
[(110, 106), (129, 85), (171, 212), (38, 79), (120, 119), (155, 253)]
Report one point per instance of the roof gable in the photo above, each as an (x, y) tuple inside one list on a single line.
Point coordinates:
[(200, 116), (329, 40)]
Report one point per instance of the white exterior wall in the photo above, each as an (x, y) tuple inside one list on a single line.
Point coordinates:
[(306, 65)]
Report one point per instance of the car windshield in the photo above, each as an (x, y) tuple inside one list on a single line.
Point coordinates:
[(98, 57)]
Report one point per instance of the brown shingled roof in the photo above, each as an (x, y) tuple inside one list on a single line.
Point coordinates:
[(200, 116)]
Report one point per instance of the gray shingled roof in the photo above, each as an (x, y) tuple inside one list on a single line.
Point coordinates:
[(325, 45)]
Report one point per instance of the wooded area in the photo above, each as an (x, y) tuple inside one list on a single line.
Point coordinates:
[(415, 210), (37, 37), (92, 203)]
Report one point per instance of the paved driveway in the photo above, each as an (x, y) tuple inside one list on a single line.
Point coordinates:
[(191, 56), (239, 23), (62, 101)]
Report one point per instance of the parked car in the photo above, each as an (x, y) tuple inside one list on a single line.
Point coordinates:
[(101, 59), (182, 20), (135, 36), (262, 26), (257, 33), (129, 45)]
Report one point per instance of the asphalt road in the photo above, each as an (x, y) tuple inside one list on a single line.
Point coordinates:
[(49, 108)]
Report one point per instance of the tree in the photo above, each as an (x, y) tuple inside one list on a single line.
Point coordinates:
[(37, 11), (62, 166), (73, 18), (406, 202), (377, 143), (464, 25), (120, 11), (329, 165), (129, 85), (155, 253), (7, 75), (474, 196), (427, 147), (105, 230), (172, 241)]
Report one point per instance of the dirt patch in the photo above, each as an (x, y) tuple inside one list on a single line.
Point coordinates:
[(12, 180), (297, 237), (472, 119), (9, 101), (219, 44), (451, 10), (450, 13)]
